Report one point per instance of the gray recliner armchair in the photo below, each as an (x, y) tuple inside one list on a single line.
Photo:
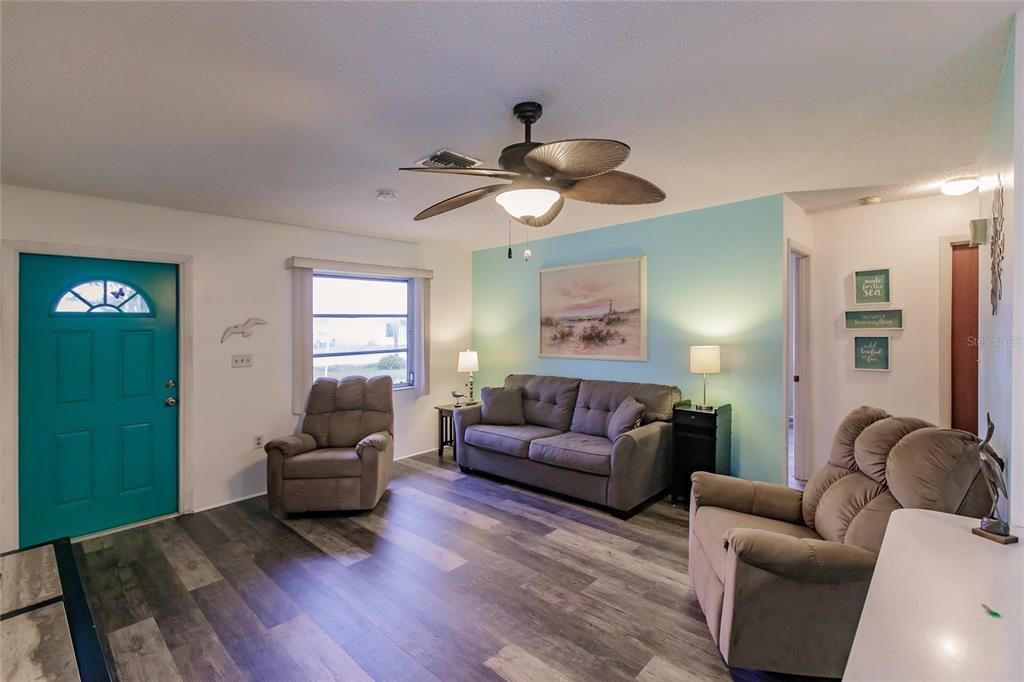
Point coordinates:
[(341, 458), (782, 576)]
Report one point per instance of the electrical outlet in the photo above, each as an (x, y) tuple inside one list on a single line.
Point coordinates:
[(241, 361), (257, 441)]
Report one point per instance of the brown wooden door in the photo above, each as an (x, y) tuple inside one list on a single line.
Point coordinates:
[(963, 344)]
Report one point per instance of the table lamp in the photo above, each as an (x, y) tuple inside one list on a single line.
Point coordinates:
[(468, 362), (705, 360)]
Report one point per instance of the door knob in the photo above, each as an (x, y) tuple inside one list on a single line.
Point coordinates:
[(170, 402)]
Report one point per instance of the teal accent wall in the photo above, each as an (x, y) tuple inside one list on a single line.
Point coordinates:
[(714, 276)]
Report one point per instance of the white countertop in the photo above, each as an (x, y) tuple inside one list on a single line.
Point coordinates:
[(924, 619)]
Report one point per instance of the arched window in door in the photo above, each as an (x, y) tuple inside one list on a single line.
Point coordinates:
[(102, 296)]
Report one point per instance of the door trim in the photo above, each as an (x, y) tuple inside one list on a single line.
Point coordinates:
[(946, 245), (10, 250), (806, 434)]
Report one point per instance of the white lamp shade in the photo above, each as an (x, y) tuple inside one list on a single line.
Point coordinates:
[(468, 362), (520, 203), (705, 359)]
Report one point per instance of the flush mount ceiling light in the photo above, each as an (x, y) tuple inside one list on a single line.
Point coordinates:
[(959, 186), (543, 176)]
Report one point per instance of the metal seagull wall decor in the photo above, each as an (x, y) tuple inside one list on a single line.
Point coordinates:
[(246, 329)]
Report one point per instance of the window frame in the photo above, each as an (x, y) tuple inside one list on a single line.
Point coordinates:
[(410, 320)]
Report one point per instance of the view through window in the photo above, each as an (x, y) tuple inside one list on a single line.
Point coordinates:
[(361, 327)]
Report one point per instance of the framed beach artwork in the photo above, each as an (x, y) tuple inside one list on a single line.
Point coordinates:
[(872, 287), (871, 353), (595, 311)]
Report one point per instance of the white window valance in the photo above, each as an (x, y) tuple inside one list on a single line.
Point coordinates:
[(338, 267)]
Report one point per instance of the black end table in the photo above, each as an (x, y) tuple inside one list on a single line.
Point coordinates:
[(701, 441), (446, 427)]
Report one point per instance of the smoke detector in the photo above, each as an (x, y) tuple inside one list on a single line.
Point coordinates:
[(446, 158), (386, 195)]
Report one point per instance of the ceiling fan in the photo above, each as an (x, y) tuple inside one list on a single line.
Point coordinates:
[(543, 176)]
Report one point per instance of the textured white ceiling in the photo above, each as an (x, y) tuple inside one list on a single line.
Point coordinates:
[(298, 113)]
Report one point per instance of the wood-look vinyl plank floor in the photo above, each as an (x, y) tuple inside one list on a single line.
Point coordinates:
[(452, 577)]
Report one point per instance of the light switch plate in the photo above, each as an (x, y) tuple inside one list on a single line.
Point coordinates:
[(238, 361)]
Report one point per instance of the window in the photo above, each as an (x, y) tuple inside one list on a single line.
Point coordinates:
[(102, 296), (361, 327)]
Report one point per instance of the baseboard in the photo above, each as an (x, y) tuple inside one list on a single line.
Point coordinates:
[(430, 451), (243, 498)]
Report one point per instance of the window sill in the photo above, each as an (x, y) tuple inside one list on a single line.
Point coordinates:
[(403, 388)]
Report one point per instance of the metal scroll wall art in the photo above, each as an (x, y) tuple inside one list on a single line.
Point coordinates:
[(998, 240)]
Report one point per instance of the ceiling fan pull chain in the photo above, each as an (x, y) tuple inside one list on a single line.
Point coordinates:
[(510, 239)]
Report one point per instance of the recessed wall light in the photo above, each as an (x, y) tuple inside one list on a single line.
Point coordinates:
[(959, 186), (386, 195)]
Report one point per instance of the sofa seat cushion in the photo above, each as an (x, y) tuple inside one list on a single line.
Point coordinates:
[(508, 440), (324, 463), (576, 451), (712, 523)]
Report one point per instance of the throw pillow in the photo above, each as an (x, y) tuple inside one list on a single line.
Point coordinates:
[(626, 417), (502, 406)]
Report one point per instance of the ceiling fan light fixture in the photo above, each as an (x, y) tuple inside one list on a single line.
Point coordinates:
[(959, 186), (527, 203)]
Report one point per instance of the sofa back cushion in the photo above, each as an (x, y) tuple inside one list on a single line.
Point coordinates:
[(547, 401), (340, 413), (880, 463), (599, 399), (503, 406)]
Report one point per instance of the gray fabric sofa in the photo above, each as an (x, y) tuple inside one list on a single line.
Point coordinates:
[(782, 575), (341, 458), (563, 448)]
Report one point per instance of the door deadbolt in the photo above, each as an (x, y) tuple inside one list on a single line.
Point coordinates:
[(170, 383)]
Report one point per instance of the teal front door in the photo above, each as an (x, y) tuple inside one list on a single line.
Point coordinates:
[(97, 410)]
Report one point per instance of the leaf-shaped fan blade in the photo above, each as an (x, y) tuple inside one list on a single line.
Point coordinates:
[(479, 172), (458, 201), (615, 187), (576, 158), (543, 220)]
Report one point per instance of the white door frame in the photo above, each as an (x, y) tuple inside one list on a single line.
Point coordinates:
[(803, 432), (10, 250), (946, 245)]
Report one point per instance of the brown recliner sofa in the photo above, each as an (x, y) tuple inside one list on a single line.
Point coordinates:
[(782, 575), (342, 456)]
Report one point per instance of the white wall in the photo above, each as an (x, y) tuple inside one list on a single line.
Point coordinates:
[(238, 273), (909, 238)]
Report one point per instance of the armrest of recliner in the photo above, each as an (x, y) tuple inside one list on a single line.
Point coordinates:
[(289, 446), (750, 497), (801, 559), (378, 441)]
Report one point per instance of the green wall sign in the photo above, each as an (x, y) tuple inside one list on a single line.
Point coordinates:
[(871, 287), (874, 319), (871, 353)]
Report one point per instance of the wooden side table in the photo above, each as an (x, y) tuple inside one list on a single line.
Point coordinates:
[(446, 427), (701, 441)]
